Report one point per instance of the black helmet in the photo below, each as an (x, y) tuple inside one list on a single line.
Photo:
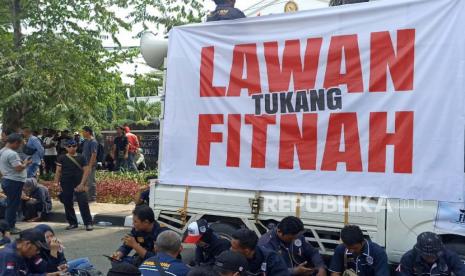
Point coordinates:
[(429, 245)]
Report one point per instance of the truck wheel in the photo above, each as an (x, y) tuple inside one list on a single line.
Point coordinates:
[(456, 246), (224, 230)]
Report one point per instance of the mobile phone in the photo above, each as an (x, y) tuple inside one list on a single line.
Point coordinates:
[(111, 259)]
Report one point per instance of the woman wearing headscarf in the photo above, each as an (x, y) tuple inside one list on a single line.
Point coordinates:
[(36, 201), (52, 259)]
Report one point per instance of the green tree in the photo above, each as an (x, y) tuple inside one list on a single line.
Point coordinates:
[(53, 67), (146, 85)]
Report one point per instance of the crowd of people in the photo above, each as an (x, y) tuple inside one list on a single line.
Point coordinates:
[(151, 249)]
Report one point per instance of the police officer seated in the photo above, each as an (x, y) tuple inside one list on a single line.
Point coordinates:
[(168, 247), (430, 257), (261, 261), (358, 256), (300, 256), (225, 10), (14, 256), (142, 237), (230, 263), (208, 244)]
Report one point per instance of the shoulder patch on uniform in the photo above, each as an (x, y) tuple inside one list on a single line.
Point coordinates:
[(298, 243), (223, 12)]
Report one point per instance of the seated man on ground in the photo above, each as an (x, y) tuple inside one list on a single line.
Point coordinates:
[(36, 201), (14, 257), (168, 247), (261, 261), (5, 237), (430, 257), (142, 237), (208, 244), (300, 256), (358, 255)]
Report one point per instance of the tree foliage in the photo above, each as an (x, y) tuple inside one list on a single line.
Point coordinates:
[(54, 71)]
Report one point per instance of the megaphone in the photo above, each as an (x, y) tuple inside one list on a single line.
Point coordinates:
[(153, 49)]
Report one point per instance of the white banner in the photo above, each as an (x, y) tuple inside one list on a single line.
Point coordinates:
[(363, 100)]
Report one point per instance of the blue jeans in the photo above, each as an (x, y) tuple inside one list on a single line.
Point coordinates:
[(32, 170), (12, 190), (132, 162)]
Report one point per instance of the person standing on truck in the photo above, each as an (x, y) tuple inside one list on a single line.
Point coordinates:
[(142, 237), (208, 244), (358, 256), (430, 257), (261, 261), (300, 256), (225, 10)]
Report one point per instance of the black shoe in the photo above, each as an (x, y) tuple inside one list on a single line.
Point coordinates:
[(71, 227), (89, 228), (15, 231)]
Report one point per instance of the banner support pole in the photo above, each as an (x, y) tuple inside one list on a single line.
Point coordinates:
[(346, 209)]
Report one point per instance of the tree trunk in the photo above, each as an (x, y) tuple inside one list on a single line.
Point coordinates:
[(13, 116)]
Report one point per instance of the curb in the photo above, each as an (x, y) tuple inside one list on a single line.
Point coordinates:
[(119, 220)]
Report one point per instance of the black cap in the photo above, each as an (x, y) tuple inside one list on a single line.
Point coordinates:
[(230, 261), (429, 245), (4, 226), (35, 237)]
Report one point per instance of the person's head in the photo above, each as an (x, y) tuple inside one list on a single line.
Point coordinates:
[(5, 134), (87, 132), (27, 132), (4, 228), (222, 2), (244, 241), (289, 229), (65, 133), (77, 135), (126, 129), (119, 130), (196, 232), (345, 2), (143, 218), (71, 146), (29, 243), (429, 246), (353, 239), (47, 231), (231, 263), (44, 131), (30, 185), (14, 141), (169, 242)]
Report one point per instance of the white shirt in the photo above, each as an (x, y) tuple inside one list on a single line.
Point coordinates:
[(50, 151)]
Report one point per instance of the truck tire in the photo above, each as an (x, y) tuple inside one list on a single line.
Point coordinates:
[(224, 230), (456, 246)]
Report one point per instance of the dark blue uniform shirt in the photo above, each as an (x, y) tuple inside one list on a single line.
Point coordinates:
[(225, 12), (207, 255), (171, 266), (11, 264), (295, 253), (146, 240), (4, 241), (372, 262), (267, 262), (45, 262), (412, 264)]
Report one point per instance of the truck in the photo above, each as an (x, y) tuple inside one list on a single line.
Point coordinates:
[(392, 223)]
